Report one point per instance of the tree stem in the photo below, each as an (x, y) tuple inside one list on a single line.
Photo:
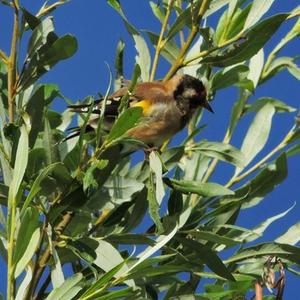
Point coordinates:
[(12, 65), (12, 205), (160, 42)]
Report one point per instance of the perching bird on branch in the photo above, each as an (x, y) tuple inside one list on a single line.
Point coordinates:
[(167, 108)]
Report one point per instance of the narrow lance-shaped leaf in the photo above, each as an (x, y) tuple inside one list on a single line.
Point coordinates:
[(108, 257), (24, 285), (153, 203), (27, 241), (291, 236), (257, 134), (161, 241), (125, 121), (36, 186), (68, 290), (221, 151), (258, 9), (209, 257), (253, 41), (156, 168), (263, 183), (143, 59), (256, 65), (280, 106), (203, 189)]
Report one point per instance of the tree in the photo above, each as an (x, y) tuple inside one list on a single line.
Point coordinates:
[(79, 204)]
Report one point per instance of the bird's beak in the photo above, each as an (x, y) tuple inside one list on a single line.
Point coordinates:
[(207, 106)]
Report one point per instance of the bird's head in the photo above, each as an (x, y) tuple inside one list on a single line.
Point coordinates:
[(194, 91)]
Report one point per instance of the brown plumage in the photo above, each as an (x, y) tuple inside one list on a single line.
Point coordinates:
[(167, 107)]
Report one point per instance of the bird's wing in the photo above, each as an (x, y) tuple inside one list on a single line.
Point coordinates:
[(143, 96)]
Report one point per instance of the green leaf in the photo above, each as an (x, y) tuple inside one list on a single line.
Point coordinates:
[(229, 76), (118, 294), (39, 35), (212, 237), (153, 204), (108, 258), (291, 236), (280, 107), (130, 238), (294, 150), (253, 41), (237, 110), (279, 64), (31, 20), (224, 152), (170, 51), (95, 288), (128, 119), (156, 167), (266, 249), (158, 13), (258, 9), (143, 59), (27, 241), (24, 285), (161, 241), (45, 55), (63, 48), (68, 290), (20, 165), (184, 19), (214, 6), (257, 134), (256, 65), (231, 23), (257, 231), (119, 60), (209, 257), (255, 190), (202, 189)]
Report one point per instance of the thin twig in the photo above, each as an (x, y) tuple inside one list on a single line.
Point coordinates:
[(42, 263), (160, 42), (193, 33)]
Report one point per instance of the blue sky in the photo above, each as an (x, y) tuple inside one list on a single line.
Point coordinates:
[(98, 29)]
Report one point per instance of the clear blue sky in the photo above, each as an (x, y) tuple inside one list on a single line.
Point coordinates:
[(98, 29)]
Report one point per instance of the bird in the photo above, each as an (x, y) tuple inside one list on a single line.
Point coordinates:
[(167, 106)]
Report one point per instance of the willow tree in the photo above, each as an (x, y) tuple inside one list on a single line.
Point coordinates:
[(79, 204)]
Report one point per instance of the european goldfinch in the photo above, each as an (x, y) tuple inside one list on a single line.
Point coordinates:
[(167, 108)]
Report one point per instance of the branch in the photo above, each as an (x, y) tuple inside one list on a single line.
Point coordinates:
[(42, 263), (161, 42), (195, 29), (12, 71)]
